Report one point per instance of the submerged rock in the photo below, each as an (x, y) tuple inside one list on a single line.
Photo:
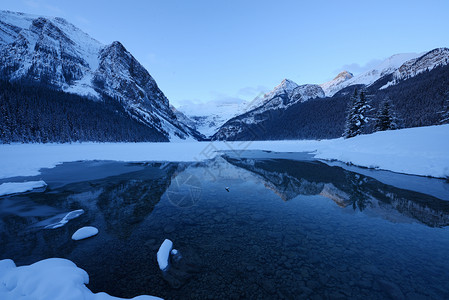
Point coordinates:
[(169, 228), (391, 289), (181, 267)]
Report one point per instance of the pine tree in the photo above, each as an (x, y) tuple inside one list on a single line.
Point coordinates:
[(386, 118), (444, 119), (356, 118)]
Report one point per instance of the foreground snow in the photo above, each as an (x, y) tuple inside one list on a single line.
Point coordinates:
[(419, 151), (20, 187), (49, 279)]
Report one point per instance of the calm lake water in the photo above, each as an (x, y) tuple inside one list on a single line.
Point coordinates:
[(284, 228)]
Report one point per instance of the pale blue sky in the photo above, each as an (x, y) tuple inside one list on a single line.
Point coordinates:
[(224, 50)]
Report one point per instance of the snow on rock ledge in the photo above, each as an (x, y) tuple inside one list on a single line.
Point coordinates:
[(49, 279), (20, 187), (84, 233)]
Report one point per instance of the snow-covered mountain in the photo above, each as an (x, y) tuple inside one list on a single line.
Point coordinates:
[(425, 62), (333, 86), (286, 94), (209, 116), (386, 67), (53, 52), (286, 113)]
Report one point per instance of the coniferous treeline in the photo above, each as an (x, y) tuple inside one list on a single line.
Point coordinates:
[(40, 114)]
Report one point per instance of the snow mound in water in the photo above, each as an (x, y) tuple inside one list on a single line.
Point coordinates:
[(49, 279), (84, 233), (163, 254)]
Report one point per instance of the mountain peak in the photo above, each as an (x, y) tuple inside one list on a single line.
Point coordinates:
[(333, 86), (287, 82), (345, 75), (117, 44), (286, 85)]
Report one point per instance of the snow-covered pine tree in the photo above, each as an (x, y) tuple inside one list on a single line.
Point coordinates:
[(350, 124), (444, 119), (386, 118), (356, 118)]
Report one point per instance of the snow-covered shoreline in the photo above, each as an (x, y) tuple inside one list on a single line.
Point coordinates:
[(420, 151), (20, 187)]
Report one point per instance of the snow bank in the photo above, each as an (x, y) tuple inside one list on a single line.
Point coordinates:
[(84, 233), (49, 279), (163, 254), (418, 151), (20, 187)]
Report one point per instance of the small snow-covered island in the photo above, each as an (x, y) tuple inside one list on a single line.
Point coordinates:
[(223, 180)]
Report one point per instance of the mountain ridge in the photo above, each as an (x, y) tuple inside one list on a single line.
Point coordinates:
[(53, 52), (265, 122)]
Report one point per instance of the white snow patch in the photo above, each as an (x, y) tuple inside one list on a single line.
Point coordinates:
[(69, 216), (417, 151), (163, 254), (83, 87), (20, 187), (49, 279), (84, 233)]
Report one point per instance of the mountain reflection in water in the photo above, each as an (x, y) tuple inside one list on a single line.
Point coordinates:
[(283, 229)]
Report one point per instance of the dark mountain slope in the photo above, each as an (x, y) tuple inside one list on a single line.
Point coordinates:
[(39, 114)]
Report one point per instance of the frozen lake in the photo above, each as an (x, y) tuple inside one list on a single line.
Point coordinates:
[(257, 225)]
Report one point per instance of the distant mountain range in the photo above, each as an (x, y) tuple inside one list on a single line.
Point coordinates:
[(51, 52), (417, 84)]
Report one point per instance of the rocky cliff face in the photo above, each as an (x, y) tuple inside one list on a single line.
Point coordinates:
[(53, 52)]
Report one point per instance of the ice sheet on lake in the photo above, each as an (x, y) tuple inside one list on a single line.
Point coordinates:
[(8, 188), (49, 279), (418, 151)]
